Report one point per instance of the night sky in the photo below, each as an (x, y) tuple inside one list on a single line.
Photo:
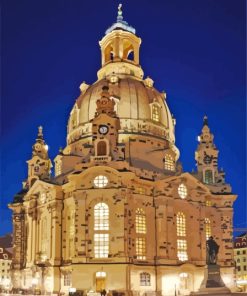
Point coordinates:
[(194, 50)]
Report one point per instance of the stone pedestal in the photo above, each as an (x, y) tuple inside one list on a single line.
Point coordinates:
[(212, 283)]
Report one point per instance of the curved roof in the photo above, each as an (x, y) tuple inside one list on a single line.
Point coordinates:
[(134, 100)]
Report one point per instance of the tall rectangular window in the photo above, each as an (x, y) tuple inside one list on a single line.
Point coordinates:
[(67, 279), (155, 113), (140, 221), (141, 248), (101, 217), (181, 237), (101, 245), (182, 249)]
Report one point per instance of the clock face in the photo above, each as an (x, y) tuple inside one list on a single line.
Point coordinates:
[(103, 129), (37, 147), (207, 159)]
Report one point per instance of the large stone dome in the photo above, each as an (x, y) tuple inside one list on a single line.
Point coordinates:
[(142, 109), (134, 99)]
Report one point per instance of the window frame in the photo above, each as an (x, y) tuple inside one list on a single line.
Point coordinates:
[(145, 279)]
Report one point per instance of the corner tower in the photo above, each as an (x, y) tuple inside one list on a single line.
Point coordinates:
[(206, 157), (39, 166)]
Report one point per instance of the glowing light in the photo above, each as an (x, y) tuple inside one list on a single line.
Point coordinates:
[(100, 274), (46, 147), (101, 245), (100, 181), (34, 281), (241, 282), (140, 221), (169, 163), (182, 191)]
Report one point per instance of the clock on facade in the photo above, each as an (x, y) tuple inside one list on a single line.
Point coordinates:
[(103, 129), (207, 159)]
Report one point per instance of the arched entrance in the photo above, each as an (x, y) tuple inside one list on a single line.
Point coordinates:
[(101, 148), (100, 280)]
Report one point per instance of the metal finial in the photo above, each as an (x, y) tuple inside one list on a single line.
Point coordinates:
[(205, 120)]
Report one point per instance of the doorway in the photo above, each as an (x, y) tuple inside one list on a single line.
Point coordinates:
[(100, 281)]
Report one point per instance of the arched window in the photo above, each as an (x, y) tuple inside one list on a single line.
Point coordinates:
[(182, 191), (208, 177), (108, 53), (155, 113), (101, 148), (183, 281), (169, 163), (140, 221), (101, 230), (181, 237), (145, 279), (207, 228), (128, 50), (101, 216)]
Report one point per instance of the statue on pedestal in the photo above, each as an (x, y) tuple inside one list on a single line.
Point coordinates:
[(212, 251)]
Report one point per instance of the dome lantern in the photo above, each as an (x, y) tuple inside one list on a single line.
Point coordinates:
[(120, 44)]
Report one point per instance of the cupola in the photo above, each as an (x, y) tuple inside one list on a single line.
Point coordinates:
[(120, 45)]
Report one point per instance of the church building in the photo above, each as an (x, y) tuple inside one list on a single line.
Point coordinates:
[(120, 214)]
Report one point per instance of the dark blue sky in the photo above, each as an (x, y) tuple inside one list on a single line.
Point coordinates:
[(194, 50)]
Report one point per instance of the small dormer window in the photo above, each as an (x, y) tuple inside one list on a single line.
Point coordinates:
[(155, 113)]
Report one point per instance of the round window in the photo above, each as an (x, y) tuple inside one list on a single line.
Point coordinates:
[(100, 181), (182, 191)]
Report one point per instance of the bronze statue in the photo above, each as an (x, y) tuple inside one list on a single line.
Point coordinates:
[(212, 251)]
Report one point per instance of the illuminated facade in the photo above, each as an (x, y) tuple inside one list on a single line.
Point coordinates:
[(240, 256), (5, 265), (120, 213)]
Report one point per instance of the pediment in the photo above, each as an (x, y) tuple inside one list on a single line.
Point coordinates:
[(39, 186), (196, 191)]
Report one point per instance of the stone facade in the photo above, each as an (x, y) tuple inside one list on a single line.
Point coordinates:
[(120, 213)]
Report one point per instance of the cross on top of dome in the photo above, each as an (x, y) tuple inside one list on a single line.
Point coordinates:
[(120, 24)]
